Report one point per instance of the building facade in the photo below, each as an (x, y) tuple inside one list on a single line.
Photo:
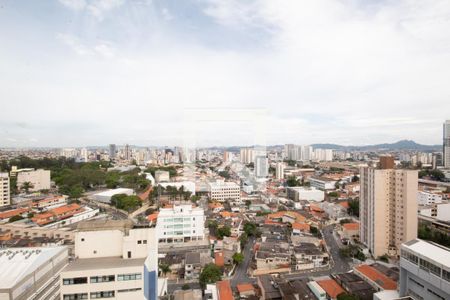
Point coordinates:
[(388, 209), (261, 166), (5, 192), (39, 179), (113, 260), (424, 271), (224, 191), (31, 273), (180, 223), (446, 156)]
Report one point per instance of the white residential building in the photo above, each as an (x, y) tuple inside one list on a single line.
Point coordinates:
[(224, 191), (305, 193), (322, 183), (162, 176), (247, 155), (113, 260), (427, 198), (31, 273), (424, 270), (446, 154), (5, 193), (180, 223), (39, 179), (261, 166), (323, 154), (279, 171), (439, 211)]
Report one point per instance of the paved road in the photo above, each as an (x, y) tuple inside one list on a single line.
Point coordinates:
[(240, 274)]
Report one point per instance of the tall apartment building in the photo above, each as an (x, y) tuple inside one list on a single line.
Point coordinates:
[(113, 260), (388, 209), (261, 166), (446, 156), (112, 151), (31, 273), (224, 191), (279, 171), (180, 223), (247, 155), (5, 192), (424, 271), (39, 179)]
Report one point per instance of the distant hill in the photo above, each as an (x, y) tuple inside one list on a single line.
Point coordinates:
[(400, 145)]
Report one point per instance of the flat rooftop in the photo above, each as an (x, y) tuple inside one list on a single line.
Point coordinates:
[(103, 263), (17, 263), (102, 224), (435, 252)]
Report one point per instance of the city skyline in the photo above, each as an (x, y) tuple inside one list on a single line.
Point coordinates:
[(126, 71)]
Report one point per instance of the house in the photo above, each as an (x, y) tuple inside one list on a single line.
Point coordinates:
[(350, 231), (224, 290), (331, 287), (308, 256), (192, 265), (246, 290), (375, 278), (300, 228)]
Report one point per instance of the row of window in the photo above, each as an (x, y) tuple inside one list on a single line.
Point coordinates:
[(97, 295), (100, 279), (103, 294), (126, 277), (426, 265)]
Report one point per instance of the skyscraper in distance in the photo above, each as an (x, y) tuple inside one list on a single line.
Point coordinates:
[(112, 151), (446, 144)]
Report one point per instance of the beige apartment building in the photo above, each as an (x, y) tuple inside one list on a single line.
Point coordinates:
[(39, 179), (388, 209), (5, 198)]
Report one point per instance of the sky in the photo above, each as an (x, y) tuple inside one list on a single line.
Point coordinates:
[(214, 72)]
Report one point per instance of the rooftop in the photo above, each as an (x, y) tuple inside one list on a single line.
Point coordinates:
[(376, 276), (351, 226), (110, 193), (102, 224), (330, 286), (103, 263), (224, 288), (17, 263), (435, 252)]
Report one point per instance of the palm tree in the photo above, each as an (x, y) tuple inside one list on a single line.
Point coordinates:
[(27, 186), (164, 268)]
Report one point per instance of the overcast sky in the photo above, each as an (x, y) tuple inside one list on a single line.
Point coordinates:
[(234, 72)]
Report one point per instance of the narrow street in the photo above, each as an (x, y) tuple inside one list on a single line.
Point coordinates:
[(240, 274)]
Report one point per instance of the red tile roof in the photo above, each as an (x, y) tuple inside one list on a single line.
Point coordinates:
[(331, 287), (11, 213), (225, 292), (301, 226), (351, 226), (376, 276), (245, 287), (218, 259)]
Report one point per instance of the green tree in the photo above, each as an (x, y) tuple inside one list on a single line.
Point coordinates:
[(164, 268), (223, 231), (26, 186), (185, 287), (15, 218), (333, 194), (238, 258), (251, 229), (353, 207), (383, 258), (292, 181), (345, 296), (210, 274)]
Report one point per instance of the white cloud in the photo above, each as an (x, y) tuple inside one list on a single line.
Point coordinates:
[(326, 71), (74, 4), (97, 8)]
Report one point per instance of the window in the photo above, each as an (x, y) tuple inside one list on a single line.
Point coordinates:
[(103, 294), (144, 241), (77, 280), (128, 290), (436, 294), (82, 239), (139, 242), (126, 277), (75, 296), (446, 275), (129, 254), (99, 279)]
